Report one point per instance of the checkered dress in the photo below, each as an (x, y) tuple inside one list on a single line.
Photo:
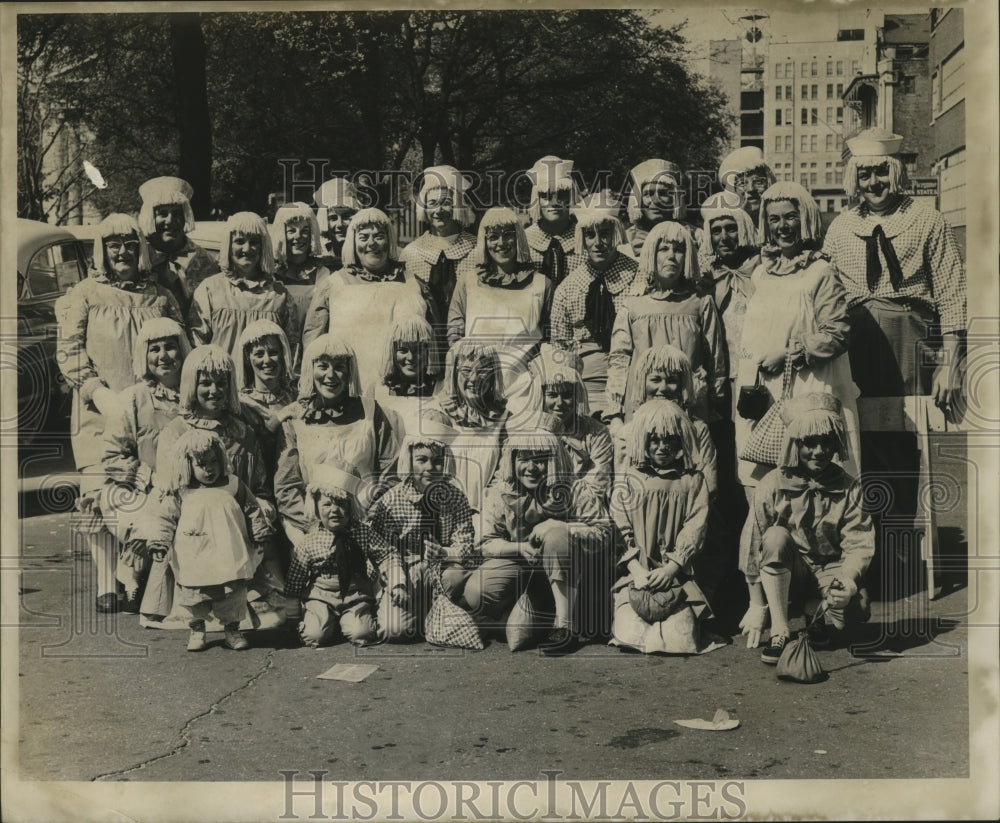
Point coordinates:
[(569, 306), (316, 557), (932, 266), (539, 241)]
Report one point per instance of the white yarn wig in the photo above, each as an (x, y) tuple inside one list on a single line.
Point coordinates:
[(666, 419), (809, 215), (815, 414), (470, 350), (551, 174), (294, 213), (720, 206), (156, 328), (560, 469), (368, 218), (899, 180), (194, 443), (165, 191), (665, 231), (410, 329), (121, 225), (449, 179), (250, 224), (500, 217), (594, 218), (334, 479), (255, 332), (666, 359), (429, 437), (336, 348), (654, 171), (211, 360), (555, 367)]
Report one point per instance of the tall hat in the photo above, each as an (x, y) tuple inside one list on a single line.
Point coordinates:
[(551, 173), (812, 415), (446, 177), (165, 191), (653, 171)]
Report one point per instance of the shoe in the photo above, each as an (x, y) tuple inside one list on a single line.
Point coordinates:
[(772, 652), (197, 641), (107, 603), (559, 641), (130, 602), (235, 640), (819, 635)]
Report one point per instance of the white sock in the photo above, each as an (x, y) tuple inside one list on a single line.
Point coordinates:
[(776, 581)]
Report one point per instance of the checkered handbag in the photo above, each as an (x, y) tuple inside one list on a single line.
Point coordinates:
[(447, 623), (767, 437)]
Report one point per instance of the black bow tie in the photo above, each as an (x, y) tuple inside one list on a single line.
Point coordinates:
[(873, 243)]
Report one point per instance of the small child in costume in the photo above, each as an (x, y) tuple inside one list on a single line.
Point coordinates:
[(209, 524), (423, 517), (808, 533), (660, 507), (664, 373), (330, 567)]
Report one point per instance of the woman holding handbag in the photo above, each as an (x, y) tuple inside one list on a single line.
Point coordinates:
[(795, 331)]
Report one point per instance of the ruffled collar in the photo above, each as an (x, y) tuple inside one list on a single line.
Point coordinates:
[(313, 411), (673, 473), (265, 283), (194, 420), (428, 247), (160, 392), (495, 277), (467, 417), (776, 263), (832, 480), (399, 388), (305, 273), (141, 283), (714, 266), (394, 272), (267, 398)]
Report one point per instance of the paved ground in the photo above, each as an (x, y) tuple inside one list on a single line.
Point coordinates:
[(103, 699)]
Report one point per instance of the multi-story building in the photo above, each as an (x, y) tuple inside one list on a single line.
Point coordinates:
[(946, 57)]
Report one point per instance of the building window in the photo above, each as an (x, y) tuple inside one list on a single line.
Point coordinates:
[(829, 68), (840, 90), (804, 180), (829, 91), (779, 70), (910, 85), (788, 143), (777, 92), (840, 115), (815, 92), (805, 117), (813, 142), (788, 116), (804, 143), (952, 75), (952, 187), (855, 66), (788, 92), (814, 116), (840, 67), (828, 180), (935, 93), (829, 114), (813, 179), (838, 179), (803, 69), (789, 176), (815, 68), (789, 70), (805, 93), (777, 145), (829, 142), (777, 117)]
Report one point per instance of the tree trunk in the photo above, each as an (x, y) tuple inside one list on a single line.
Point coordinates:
[(187, 48)]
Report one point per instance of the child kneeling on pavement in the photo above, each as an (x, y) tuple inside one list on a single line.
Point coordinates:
[(807, 533), (329, 569)]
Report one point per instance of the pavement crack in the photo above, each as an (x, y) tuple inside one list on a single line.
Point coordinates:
[(185, 732)]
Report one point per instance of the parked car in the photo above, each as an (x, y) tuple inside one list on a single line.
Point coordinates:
[(50, 260)]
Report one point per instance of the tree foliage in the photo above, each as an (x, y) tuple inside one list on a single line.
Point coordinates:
[(358, 90)]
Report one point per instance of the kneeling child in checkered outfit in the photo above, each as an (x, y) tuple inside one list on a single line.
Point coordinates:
[(329, 569)]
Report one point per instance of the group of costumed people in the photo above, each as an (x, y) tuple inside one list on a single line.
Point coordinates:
[(570, 431)]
